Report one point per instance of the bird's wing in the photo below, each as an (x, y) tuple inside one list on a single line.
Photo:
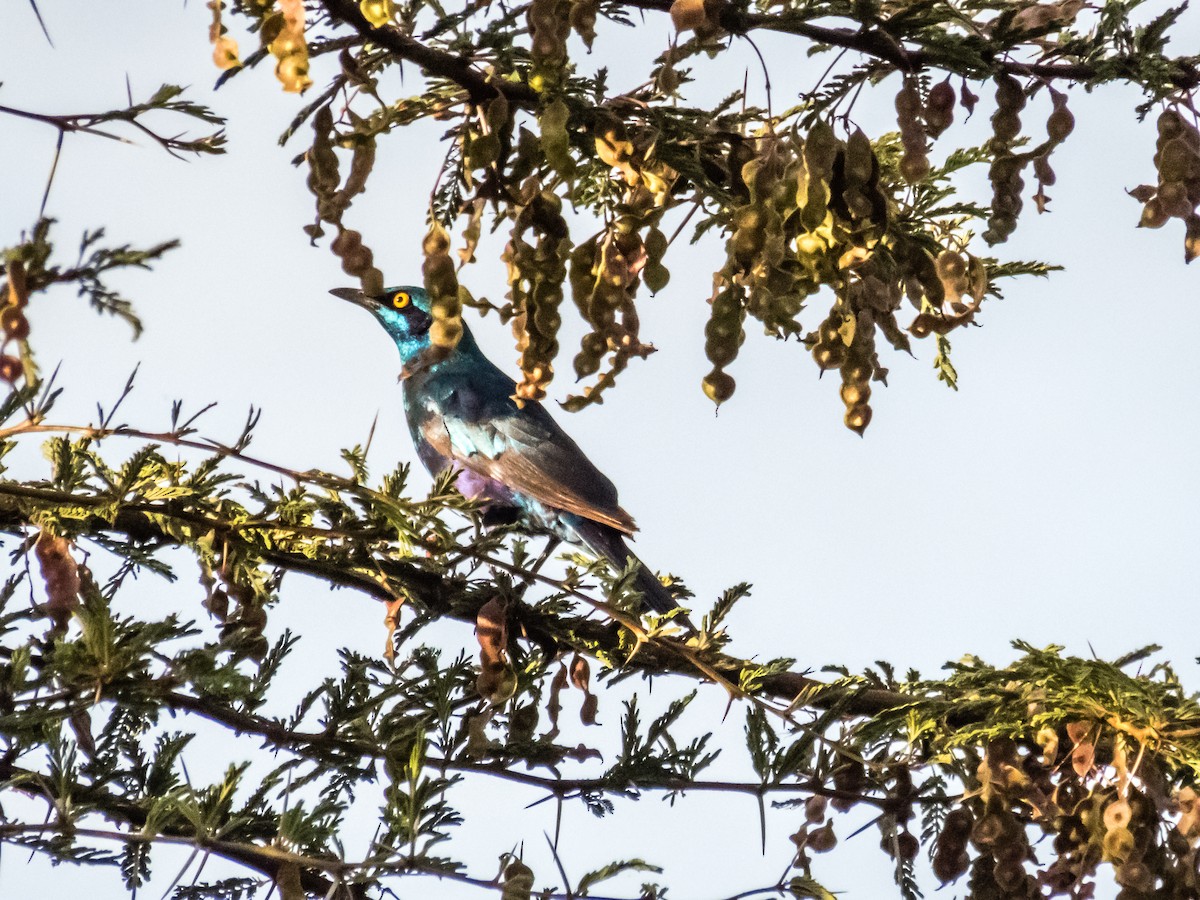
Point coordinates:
[(525, 450)]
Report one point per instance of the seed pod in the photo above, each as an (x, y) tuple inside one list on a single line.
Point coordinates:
[(1191, 241), (914, 167), (1154, 214), (442, 284), (822, 840), (849, 777), (290, 48), (724, 333), (914, 164), (857, 419), (556, 143), (1043, 172), (14, 323), (939, 108), (549, 25), (518, 882), (949, 866), (1060, 124), (1118, 844), (1009, 93), (361, 164), (583, 19), (718, 386), (829, 356), (1170, 124), (859, 159), (820, 150), (1006, 125), (10, 369), (377, 12), (60, 572)]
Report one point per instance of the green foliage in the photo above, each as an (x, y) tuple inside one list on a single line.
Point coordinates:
[(829, 235)]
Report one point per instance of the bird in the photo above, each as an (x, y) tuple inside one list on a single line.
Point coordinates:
[(511, 456)]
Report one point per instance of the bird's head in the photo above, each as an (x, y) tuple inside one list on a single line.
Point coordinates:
[(403, 312)]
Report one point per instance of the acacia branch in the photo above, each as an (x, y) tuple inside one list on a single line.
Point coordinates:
[(387, 578), (881, 44), (438, 63), (265, 860), (279, 735)]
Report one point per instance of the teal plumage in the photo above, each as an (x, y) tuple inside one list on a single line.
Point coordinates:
[(516, 459)]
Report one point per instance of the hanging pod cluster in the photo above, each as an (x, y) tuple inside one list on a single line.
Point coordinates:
[(1177, 161), (549, 27), (283, 35), (536, 272), (441, 282), (13, 321), (607, 269), (334, 197), (814, 212)]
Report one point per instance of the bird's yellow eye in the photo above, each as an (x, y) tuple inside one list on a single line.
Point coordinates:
[(400, 299)]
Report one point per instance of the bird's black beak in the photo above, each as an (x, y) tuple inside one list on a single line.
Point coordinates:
[(355, 296)]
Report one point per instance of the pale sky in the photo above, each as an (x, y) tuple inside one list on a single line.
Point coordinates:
[(1053, 498)]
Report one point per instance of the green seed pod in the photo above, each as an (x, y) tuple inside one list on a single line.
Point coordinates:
[(860, 159), (556, 143)]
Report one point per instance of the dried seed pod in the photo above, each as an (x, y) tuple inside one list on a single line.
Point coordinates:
[(857, 419), (1191, 241), (14, 323), (849, 777), (914, 164), (442, 284), (822, 840), (1009, 93), (583, 19), (518, 882), (556, 142), (290, 48), (939, 108), (950, 866), (225, 48), (1118, 844), (718, 386), (549, 26), (1154, 214), (1061, 122), (60, 572), (1043, 172), (829, 356), (724, 334), (11, 369)]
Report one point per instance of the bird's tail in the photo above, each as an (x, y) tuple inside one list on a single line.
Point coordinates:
[(606, 541)]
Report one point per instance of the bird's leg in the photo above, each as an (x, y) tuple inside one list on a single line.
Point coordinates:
[(551, 546)]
